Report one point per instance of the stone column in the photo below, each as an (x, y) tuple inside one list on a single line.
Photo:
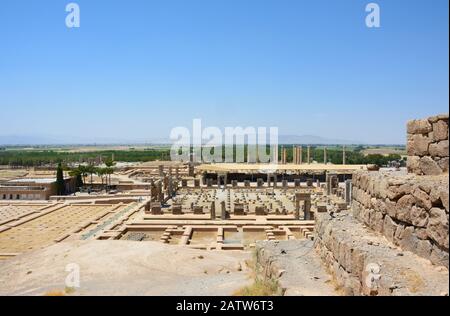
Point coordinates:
[(170, 187), (308, 215), (223, 211), (297, 209), (328, 183), (343, 155), (191, 170), (160, 192), (308, 155), (213, 210), (325, 155), (153, 192), (166, 182), (294, 154), (300, 155), (348, 192)]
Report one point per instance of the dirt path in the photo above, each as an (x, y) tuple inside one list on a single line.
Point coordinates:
[(302, 272), (125, 268)]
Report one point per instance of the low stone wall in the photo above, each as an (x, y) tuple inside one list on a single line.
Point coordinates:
[(409, 210), (362, 262), (427, 145)]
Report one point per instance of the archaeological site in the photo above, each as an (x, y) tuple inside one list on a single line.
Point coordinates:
[(303, 227), (221, 156)]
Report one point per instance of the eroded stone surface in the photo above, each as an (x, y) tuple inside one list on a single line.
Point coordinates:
[(405, 208), (365, 263)]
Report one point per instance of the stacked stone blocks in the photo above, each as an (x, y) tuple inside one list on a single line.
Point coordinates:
[(427, 145), (409, 210)]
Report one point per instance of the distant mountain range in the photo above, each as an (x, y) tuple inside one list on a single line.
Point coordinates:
[(23, 140), (315, 140)]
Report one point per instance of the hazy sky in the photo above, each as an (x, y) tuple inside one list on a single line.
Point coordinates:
[(136, 69)]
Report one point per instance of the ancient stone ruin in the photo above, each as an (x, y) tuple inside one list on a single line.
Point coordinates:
[(427, 145), (397, 219)]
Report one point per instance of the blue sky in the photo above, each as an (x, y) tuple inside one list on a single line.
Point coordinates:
[(137, 68)]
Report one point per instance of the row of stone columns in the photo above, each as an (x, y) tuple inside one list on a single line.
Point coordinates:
[(297, 155), (297, 152)]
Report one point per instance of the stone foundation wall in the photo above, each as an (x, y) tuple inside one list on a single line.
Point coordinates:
[(427, 145), (362, 262), (410, 211), (397, 231)]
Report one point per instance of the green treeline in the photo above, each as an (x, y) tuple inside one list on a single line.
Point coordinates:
[(30, 158), (34, 158)]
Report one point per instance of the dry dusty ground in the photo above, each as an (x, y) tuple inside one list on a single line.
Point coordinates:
[(302, 271), (125, 268)]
